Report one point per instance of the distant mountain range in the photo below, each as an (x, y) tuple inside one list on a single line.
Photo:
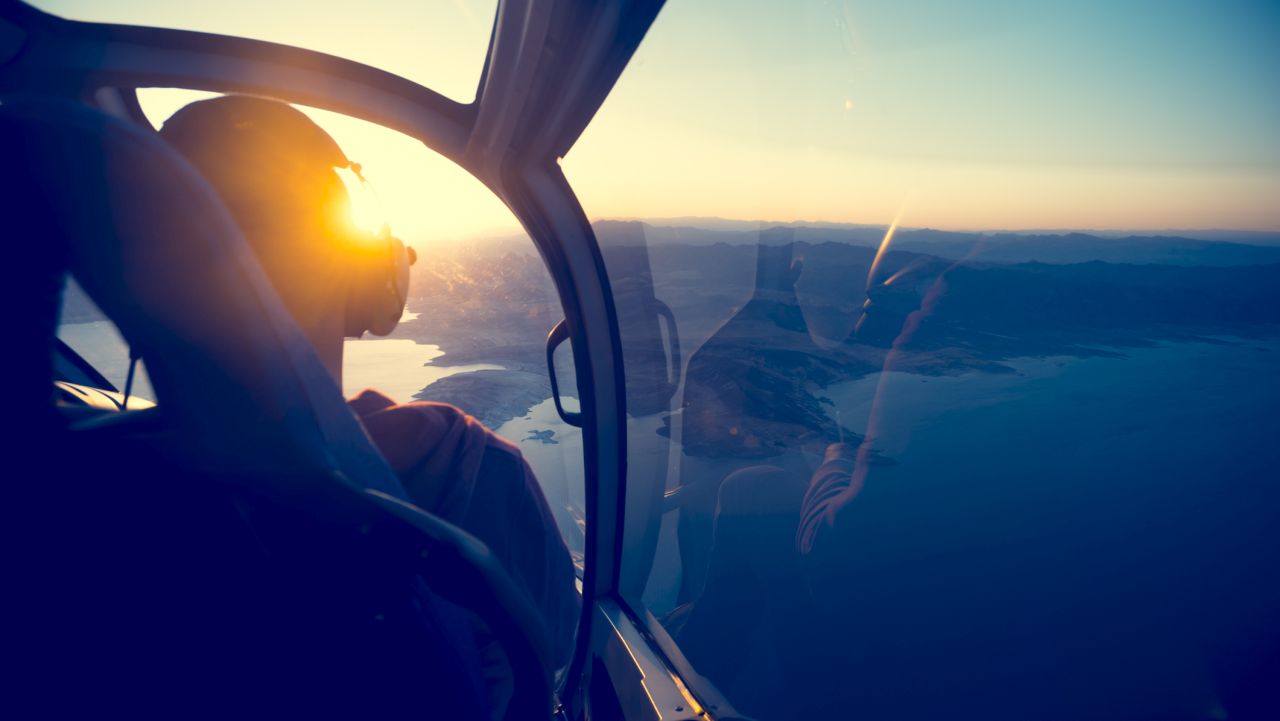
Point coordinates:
[(776, 316), (1248, 237), (770, 318), (998, 247)]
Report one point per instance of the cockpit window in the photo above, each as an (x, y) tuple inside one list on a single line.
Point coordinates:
[(440, 45), (91, 335), (480, 304), (930, 414), (458, 395)]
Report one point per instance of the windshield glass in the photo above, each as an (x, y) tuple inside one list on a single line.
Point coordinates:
[(950, 334), (87, 331), (479, 307), (437, 44)]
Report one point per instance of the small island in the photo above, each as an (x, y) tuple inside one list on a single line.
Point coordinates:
[(546, 437)]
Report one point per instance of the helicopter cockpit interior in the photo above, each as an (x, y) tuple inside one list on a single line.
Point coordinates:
[(814, 468), (110, 199)]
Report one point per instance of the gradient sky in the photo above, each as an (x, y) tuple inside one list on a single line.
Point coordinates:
[(982, 114), (988, 114)]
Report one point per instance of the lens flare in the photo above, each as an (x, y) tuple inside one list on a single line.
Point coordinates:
[(366, 209), (913, 265), (862, 460), (884, 245)]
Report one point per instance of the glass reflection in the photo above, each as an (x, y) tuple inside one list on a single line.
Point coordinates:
[(917, 480)]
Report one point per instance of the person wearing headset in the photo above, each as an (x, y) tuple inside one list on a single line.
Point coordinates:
[(276, 171)]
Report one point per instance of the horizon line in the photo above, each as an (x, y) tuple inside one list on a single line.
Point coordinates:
[(949, 229)]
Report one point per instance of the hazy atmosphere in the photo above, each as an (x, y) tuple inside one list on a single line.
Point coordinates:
[(937, 351), (993, 115)]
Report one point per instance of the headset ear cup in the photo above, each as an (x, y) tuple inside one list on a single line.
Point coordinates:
[(357, 313), (368, 270), (379, 289), (392, 290)]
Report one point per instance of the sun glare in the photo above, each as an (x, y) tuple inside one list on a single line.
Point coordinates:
[(884, 245), (367, 213), (421, 195)]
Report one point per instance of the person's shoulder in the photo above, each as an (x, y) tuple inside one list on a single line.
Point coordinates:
[(449, 414), (447, 411), (369, 401), (453, 415)]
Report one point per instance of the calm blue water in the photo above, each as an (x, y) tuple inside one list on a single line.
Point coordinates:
[(1084, 538)]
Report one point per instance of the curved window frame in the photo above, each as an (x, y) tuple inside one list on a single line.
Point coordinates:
[(104, 65)]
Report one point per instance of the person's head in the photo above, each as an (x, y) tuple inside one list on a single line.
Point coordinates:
[(276, 171)]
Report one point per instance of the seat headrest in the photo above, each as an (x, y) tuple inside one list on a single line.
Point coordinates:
[(152, 244)]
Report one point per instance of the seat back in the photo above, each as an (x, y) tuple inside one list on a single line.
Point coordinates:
[(241, 517), (151, 243)]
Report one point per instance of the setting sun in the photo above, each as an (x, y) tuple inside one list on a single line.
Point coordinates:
[(367, 213), (423, 197)]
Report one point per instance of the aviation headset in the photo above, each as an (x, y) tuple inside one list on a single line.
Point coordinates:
[(264, 127), (377, 297)]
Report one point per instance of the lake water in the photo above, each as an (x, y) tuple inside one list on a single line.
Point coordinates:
[(397, 367), (1057, 436), (558, 466), (1166, 406)]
